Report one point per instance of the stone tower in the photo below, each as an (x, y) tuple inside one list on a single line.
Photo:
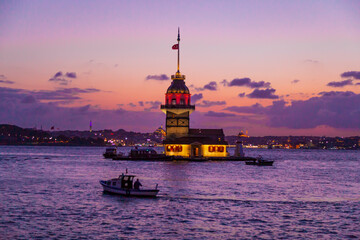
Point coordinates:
[(177, 105)]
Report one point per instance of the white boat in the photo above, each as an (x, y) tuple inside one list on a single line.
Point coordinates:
[(123, 185)]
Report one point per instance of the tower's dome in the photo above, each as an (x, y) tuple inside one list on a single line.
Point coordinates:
[(178, 86)]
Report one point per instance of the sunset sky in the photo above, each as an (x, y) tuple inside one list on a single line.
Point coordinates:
[(268, 67)]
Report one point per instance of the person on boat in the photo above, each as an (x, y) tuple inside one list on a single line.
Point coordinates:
[(137, 184)]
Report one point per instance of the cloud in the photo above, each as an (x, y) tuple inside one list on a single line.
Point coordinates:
[(7, 81), (241, 94), (161, 77), (260, 84), (341, 83), (237, 82), (265, 94), (219, 114), (253, 109), (60, 96), (337, 109), (20, 108), (58, 74), (351, 74), (3, 79), (295, 81), (70, 74), (12, 94), (212, 86), (334, 109), (336, 94), (63, 79), (245, 82), (196, 97), (63, 93), (120, 111), (225, 83), (153, 105), (153, 102), (84, 109), (206, 103), (28, 99), (60, 81)]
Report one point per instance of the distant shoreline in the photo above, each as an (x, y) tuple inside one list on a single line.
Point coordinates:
[(17, 136), (105, 146)]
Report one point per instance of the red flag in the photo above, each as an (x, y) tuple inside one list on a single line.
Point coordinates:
[(175, 46)]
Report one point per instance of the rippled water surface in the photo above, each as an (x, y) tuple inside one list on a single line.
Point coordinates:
[(54, 193)]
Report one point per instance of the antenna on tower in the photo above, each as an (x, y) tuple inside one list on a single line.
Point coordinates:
[(178, 39)]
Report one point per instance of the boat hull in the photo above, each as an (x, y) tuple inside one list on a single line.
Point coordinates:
[(109, 155), (250, 163), (259, 163), (266, 163), (129, 192)]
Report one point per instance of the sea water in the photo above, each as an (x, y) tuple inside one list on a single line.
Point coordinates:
[(54, 193)]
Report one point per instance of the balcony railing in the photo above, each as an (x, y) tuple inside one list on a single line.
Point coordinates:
[(178, 77), (178, 106)]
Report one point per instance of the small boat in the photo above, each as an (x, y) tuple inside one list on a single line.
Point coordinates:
[(142, 154), (259, 162), (123, 185), (110, 152)]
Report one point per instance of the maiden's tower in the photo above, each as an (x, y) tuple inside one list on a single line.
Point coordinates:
[(181, 140)]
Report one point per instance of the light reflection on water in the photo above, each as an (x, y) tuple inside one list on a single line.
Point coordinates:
[(53, 192)]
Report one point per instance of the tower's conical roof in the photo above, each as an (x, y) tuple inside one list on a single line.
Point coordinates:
[(178, 86)]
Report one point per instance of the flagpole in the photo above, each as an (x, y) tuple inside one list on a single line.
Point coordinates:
[(178, 39)]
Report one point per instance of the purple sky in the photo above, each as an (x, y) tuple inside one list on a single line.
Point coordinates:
[(269, 67)]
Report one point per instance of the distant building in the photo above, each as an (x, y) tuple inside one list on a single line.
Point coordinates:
[(160, 133), (181, 140)]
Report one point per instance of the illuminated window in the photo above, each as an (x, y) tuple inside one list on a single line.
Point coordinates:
[(216, 149), (174, 148)]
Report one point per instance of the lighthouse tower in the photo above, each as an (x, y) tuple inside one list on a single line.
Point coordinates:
[(182, 141), (177, 105)]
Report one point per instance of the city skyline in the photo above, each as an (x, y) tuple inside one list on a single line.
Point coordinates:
[(271, 68)]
